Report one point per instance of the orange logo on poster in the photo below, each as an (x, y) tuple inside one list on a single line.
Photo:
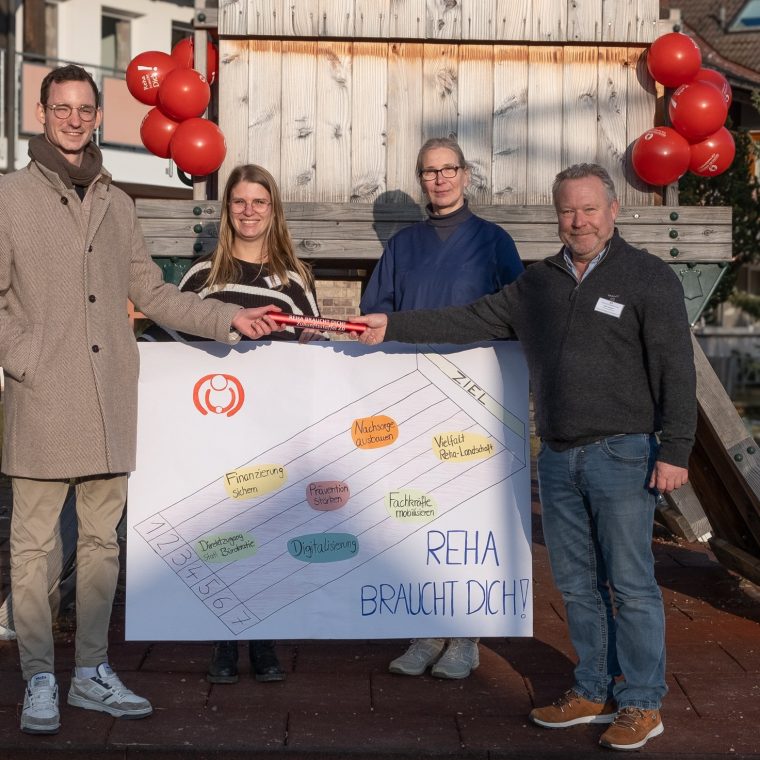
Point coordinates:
[(218, 394)]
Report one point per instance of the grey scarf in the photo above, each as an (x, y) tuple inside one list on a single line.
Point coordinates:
[(45, 153)]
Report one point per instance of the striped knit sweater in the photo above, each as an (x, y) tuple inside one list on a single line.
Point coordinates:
[(253, 287)]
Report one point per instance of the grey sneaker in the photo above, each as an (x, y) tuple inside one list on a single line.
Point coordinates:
[(458, 661), (415, 660), (106, 693), (40, 714)]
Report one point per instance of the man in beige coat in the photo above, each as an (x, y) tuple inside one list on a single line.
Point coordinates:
[(71, 254)]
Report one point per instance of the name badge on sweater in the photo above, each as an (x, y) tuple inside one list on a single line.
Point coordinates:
[(612, 308)]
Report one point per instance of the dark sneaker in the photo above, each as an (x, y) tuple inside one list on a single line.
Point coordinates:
[(632, 728), (106, 693), (224, 663), (459, 660), (416, 659), (266, 667), (571, 709), (40, 714)]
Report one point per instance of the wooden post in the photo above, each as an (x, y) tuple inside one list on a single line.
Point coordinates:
[(200, 189)]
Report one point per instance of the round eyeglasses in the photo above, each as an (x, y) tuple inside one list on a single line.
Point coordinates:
[(238, 205), (447, 172), (63, 111)]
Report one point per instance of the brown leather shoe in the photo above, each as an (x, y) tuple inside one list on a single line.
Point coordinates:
[(632, 728), (571, 709)]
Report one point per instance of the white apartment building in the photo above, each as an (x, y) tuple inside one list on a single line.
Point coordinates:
[(102, 37)]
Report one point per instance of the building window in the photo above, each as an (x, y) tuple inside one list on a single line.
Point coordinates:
[(180, 30), (115, 42), (748, 18)]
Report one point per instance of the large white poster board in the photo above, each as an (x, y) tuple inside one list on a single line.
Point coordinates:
[(330, 491)]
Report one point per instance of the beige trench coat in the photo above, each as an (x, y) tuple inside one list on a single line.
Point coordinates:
[(66, 346)]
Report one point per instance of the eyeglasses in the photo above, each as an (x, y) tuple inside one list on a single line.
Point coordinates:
[(448, 172), (238, 205), (63, 111)]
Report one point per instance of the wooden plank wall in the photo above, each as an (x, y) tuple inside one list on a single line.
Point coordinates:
[(623, 21), (341, 120), (351, 231), (336, 96)]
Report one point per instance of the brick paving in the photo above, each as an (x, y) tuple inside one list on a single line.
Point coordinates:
[(340, 703)]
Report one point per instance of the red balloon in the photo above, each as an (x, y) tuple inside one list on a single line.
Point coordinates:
[(697, 110), (145, 74), (674, 59), (156, 132), (660, 156), (718, 80), (184, 54), (184, 94), (198, 147), (713, 155)]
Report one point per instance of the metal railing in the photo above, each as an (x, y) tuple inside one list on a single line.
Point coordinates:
[(4, 118)]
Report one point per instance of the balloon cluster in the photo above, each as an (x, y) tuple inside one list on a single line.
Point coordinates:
[(697, 141), (173, 128)]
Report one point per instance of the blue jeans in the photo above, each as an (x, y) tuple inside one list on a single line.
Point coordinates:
[(597, 515)]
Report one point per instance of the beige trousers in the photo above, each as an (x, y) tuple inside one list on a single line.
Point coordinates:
[(37, 506), (61, 566)]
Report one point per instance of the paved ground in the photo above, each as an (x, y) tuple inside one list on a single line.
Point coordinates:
[(340, 703)]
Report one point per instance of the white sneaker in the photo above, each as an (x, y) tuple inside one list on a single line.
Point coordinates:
[(106, 693), (458, 661), (40, 714), (415, 660)]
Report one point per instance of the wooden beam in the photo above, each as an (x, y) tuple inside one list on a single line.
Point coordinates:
[(736, 559), (725, 463)]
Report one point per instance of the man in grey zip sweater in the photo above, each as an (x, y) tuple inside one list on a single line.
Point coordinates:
[(604, 329)]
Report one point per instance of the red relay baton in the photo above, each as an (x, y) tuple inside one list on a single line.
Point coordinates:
[(316, 323)]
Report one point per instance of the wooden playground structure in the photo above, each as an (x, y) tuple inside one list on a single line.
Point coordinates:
[(335, 97)]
